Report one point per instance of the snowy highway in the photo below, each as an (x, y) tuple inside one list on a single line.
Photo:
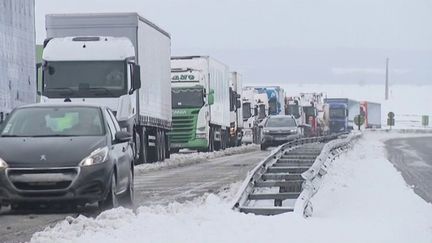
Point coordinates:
[(162, 186), (413, 157)]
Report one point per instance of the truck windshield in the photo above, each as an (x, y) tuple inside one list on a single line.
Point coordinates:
[(281, 122), (273, 109), (310, 111), (293, 110), (247, 113), (337, 113), (262, 112), (54, 122), (187, 97), (84, 79)]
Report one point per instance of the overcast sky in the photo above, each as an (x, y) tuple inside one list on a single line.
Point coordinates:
[(326, 35)]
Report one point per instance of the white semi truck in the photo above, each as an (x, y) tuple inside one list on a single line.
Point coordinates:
[(236, 114), (17, 55), (119, 60), (200, 103), (255, 110)]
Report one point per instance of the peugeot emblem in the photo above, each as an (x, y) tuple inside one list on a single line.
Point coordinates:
[(43, 157)]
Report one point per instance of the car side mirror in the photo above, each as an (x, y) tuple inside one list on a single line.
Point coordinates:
[(136, 77), (123, 137), (210, 97)]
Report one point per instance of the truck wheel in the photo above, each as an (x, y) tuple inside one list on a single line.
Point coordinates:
[(162, 145), (141, 147), (211, 140), (167, 147)]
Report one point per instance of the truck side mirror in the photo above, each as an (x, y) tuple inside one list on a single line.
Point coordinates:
[(136, 78), (1, 117), (210, 97), (256, 111), (38, 66), (238, 104)]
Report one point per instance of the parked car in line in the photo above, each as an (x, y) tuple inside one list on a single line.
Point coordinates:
[(279, 129), (65, 154)]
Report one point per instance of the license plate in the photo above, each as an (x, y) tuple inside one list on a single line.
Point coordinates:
[(280, 138)]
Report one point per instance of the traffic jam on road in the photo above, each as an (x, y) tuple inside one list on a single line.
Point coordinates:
[(112, 119)]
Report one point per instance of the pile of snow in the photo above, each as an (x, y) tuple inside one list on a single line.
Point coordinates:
[(363, 199), (183, 159)]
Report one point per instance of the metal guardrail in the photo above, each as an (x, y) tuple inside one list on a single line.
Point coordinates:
[(282, 169), (313, 176)]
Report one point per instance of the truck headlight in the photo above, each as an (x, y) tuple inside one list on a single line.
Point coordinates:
[(3, 164), (201, 135), (96, 157), (293, 131), (266, 131), (201, 128)]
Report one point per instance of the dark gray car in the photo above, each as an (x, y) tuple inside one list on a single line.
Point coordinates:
[(277, 130), (65, 153)]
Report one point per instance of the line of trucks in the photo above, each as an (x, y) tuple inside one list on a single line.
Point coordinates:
[(123, 61)]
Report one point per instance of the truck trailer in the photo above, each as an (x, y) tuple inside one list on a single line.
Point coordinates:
[(372, 113), (120, 60), (342, 112), (236, 114), (201, 103), (17, 55)]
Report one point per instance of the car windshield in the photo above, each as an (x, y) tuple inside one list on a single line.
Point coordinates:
[(247, 113), (187, 97), (54, 122), (74, 79), (337, 113), (281, 122)]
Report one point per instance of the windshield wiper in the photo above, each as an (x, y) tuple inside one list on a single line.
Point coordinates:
[(10, 136), (107, 91), (70, 91), (52, 135)]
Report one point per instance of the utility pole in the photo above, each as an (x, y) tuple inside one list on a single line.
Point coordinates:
[(387, 80)]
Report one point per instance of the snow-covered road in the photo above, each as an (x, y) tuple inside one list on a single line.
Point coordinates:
[(363, 199)]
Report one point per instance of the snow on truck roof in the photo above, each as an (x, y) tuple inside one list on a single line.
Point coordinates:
[(120, 19), (88, 48)]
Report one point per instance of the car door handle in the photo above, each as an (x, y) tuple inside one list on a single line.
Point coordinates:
[(124, 149)]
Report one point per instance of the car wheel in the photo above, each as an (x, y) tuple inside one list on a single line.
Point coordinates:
[(128, 198), (111, 201)]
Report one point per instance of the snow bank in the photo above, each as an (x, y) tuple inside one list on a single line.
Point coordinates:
[(182, 159), (363, 199)]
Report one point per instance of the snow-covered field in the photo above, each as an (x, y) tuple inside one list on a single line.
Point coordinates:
[(363, 199), (183, 159)]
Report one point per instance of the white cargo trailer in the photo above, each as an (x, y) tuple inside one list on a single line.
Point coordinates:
[(201, 103), (120, 60), (17, 55), (372, 114)]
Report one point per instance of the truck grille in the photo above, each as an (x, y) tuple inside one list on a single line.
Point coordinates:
[(42, 179), (183, 129)]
